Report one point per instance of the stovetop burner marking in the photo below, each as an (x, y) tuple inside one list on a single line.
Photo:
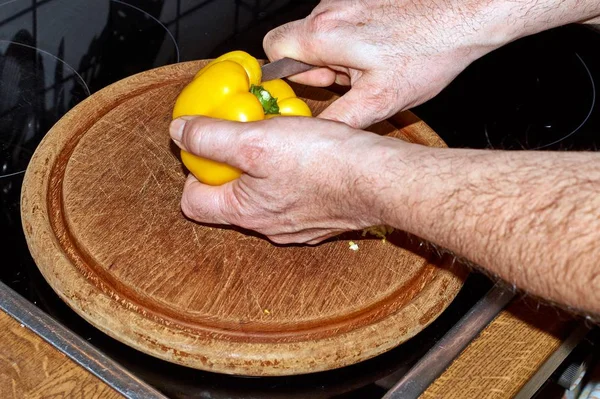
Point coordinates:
[(137, 9), (487, 135), (46, 53), (592, 105), (8, 2), (87, 89), (536, 104), (75, 73), (157, 21)]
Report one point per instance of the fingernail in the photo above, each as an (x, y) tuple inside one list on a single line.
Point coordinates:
[(176, 129)]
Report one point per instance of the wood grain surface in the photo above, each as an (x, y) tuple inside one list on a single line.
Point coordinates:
[(30, 368), (101, 214), (506, 355), (520, 340)]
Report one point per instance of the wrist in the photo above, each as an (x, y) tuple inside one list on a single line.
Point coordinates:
[(495, 23), (473, 28), (517, 19), (390, 191)]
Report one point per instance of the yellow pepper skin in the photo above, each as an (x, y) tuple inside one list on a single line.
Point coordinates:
[(230, 88), (287, 101)]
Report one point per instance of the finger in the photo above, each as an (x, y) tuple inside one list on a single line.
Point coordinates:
[(324, 237), (286, 41), (320, 77), (202, 202), (342, 79), (297, 41), (307, 236), (215, 139), (301, 41), (365, 104)]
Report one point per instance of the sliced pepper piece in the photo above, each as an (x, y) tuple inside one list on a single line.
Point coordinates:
[(230, 88)]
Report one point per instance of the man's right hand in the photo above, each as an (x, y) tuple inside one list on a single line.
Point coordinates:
[(398, 54), (394, 54)]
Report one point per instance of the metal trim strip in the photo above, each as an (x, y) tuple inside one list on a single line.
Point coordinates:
[(76, 348)]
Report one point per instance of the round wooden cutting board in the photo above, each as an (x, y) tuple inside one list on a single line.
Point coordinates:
[(101, 214)]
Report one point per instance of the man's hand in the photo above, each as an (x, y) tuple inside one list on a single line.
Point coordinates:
[(531, 218), (394, 54), (398, 54), (305, 179)]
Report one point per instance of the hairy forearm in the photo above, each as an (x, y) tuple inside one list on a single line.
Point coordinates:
[(531, 218), (534, 16), (497, 22)]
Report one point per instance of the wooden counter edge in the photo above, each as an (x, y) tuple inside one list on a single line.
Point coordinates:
[(31, 368), (499, 363), (31, 339), (512, 356)]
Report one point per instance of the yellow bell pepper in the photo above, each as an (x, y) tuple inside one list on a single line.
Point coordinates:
[(230, 88)]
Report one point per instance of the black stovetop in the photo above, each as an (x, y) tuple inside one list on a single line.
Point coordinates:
[(537, 93)]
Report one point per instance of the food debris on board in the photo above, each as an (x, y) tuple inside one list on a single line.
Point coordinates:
[(381, 231)]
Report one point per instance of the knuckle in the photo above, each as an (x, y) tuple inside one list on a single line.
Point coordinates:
[(273, 38), (322, 22), (381, 99), (309, 34), (251, 151), (251, 154)]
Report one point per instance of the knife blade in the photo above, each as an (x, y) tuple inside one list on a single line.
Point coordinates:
[(283, 68)]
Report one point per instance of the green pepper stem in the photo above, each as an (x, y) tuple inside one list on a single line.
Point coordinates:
[(268, 102)]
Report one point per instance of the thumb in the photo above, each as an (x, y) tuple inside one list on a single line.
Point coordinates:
[(215, 139), (365, 104)]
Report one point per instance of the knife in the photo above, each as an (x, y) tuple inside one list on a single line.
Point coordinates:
[(283, 68)]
